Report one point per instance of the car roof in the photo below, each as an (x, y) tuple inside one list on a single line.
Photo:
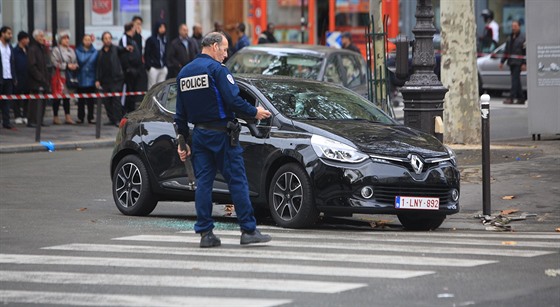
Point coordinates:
[(313, 50)]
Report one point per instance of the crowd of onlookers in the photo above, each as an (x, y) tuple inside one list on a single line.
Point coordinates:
[(34, 67)]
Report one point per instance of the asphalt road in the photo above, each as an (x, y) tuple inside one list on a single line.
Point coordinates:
[(62, 241)]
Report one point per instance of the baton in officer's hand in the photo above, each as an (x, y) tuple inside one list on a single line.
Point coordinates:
[(188, 164)]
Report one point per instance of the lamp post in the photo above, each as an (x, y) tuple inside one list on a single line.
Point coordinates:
[(423, 93)]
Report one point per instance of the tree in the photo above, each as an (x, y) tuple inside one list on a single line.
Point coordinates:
[(462, 123)]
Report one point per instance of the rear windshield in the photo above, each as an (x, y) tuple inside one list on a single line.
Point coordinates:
[(276, 63)]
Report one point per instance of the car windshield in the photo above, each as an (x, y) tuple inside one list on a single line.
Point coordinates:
[(320, 101), (276, 63)]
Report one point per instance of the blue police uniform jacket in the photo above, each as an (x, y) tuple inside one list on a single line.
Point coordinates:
[(207, 93)]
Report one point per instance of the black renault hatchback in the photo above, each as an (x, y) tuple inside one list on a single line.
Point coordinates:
[(325, 149)]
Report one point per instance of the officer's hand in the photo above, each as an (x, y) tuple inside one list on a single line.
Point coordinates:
[(262, 113), (501, 66), (183, 154)]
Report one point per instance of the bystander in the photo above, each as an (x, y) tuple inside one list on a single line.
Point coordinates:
[(20, 106), (515, 57), (8, 71), (87, 60)]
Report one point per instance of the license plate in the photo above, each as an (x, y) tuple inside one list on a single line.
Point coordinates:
[(418, 203)]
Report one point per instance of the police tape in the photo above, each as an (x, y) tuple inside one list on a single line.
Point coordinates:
[(73, 95)]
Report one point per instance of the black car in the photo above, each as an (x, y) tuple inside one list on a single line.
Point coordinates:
[(325, 149)]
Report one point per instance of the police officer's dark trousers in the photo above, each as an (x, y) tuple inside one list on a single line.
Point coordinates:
[(211, 151)]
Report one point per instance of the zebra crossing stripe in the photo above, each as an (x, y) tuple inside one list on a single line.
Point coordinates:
[(100, 299), (273, 254), (437, 233), (283, 285), (355, 246), (230, 266), (395, 238)]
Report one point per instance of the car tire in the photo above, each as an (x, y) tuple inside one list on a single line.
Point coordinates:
[(131, 187), (291, 198), (421, 221)]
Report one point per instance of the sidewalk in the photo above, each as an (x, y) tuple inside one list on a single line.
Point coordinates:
[(63, 136)]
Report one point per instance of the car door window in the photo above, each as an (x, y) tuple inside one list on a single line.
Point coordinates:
[(353, 71), (255, 102), (169, 100), (332, 72)]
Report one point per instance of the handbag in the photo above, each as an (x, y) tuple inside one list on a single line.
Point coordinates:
[(57, 82), (71, 78)]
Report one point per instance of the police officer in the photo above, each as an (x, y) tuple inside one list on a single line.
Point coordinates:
[(208, 98)]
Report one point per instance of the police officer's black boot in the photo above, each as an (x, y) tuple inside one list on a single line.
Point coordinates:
[(208, 239), (254, 237)]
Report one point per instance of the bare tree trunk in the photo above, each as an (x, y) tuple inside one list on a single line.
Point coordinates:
[(462, 119)]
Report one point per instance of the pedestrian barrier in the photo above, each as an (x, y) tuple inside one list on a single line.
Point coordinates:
[(99, 96), (73, 95)]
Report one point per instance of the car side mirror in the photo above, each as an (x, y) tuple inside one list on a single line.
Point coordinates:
[(258, 132)]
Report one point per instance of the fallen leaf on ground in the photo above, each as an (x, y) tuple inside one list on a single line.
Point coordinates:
[(379, 223), (228, 208), (508, 211), (82, 209), (558, 229), (508, 197), (509, 243)]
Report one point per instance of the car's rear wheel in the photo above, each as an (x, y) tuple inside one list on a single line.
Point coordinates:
[(131, 187), (421, 221), (291, 198)]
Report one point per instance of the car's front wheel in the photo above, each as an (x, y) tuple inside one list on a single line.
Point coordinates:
[(421, 221), (131, 187), (291, 198)]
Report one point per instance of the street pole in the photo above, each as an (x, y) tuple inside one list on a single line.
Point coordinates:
[(485, 114)]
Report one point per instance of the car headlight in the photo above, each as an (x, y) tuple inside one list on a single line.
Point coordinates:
[(333, 150), (451, 155)]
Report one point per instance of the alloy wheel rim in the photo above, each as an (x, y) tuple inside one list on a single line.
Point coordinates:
[(287, 196), (128, 185)]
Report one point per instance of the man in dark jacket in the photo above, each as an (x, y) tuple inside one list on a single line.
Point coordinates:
[(197, 35), (8, 73), (154, 54), (109, 77), (268, 35), (131, 61), (39, 72), (515, 56), (181, 51), (348, 44), (243, 40), (20, 55)]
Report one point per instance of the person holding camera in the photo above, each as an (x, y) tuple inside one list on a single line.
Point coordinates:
[(208, 97)]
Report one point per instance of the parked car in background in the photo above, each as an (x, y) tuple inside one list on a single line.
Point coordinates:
[(325, 149), (491, 77), (313, 62)]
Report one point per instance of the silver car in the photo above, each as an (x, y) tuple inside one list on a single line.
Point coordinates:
[(491, 77)]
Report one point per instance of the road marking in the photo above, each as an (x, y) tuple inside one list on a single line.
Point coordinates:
[(259, 253), (436, 233), (100, 299), (230, 266), (355, 246), (404, 238), (283, 285)]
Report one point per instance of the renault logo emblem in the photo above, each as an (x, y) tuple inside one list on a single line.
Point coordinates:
[(416, 163)]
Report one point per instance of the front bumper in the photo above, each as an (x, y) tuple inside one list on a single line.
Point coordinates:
[(338, 186)]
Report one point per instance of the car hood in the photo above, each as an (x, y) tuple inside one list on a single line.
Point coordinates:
[(381, 139)]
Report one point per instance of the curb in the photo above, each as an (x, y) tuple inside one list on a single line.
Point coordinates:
[(67, 145)]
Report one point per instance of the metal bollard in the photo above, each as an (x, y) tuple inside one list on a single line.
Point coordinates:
[(98, 115), (485, 114), (39, 116)]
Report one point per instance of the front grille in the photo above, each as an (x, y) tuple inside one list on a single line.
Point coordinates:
[(385, 194)]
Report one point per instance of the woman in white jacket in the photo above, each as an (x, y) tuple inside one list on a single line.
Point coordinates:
[(64, 58)]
